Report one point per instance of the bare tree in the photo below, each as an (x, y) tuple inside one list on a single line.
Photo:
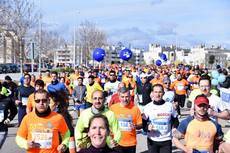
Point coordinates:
[(90, 37)]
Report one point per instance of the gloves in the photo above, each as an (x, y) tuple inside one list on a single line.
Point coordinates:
[(7, 121)]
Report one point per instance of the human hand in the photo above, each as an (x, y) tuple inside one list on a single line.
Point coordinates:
[(32, 144), (7, 121), (61, 148), (17, 102)]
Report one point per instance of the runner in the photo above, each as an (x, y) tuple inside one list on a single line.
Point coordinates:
[(129, 118), (161, 117), (40, 129)]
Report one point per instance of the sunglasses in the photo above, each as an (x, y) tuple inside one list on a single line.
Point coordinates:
[(41, 100)]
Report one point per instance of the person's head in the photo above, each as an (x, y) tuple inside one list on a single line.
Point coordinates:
[(33, 78), (166, 82), (80, 80), (91, 79), (39, 84), (48, 73), (201, 106), (179, 76), (156, 75), (112, 75), (54, 75), (62, 79), (157, 93), (41, 98), (98, 99), (205, 85), (144, 78), (8, 79), (98, 130), (27, 79), (124, 96)]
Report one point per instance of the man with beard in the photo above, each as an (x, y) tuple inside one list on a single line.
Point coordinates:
[(199, 130)]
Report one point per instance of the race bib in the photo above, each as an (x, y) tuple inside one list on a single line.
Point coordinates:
[(162, 127), (43, 138), (24, 101), (1, 115), (125, 125), (180, 87)]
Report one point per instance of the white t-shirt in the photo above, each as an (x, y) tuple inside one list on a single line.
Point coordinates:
[(111, 86), (160, 116), (169, 96)]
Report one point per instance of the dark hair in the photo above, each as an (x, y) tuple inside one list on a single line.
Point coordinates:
[(205, 77), (123, 90), (54, 72), (158, 85), (39, 82), (27, 74), (104, 118)]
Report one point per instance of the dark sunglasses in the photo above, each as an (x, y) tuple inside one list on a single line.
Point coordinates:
[(42, 100)]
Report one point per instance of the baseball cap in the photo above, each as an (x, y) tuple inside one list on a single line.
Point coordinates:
[(166, 79), (201, 100)]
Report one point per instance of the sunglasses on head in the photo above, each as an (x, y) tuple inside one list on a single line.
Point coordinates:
[(42, 100)]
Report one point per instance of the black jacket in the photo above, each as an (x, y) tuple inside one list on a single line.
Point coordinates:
[(9, 109), (145, 90)]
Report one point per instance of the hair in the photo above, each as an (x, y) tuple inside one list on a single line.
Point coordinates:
[(201, 95), (158, 85), (205, 77), (112, 71), (123, 90), (104, 118), (41, 91), (40, 83), (27, 74), (54, 72)]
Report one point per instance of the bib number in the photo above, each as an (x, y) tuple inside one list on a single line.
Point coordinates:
[(44, 139)]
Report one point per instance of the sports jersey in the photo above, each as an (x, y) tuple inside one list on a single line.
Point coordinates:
[(179, 86), (83, 123), (42, 130), (169, 96), (112, 87), (200, 134), (30, 104), (90, 89), (127, 115), (160, 116)]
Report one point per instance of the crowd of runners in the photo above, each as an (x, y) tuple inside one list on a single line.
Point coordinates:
[(115, 102)]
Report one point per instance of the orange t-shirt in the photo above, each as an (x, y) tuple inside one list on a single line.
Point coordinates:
[(43, 130), (30, 104), (156, 81), (127, 115), (179, 86)]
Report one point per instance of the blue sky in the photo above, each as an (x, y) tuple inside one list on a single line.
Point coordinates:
[(139, 22)]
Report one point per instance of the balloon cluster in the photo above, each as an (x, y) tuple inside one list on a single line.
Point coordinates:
[(217, 78), (163, 58), (99, 54)]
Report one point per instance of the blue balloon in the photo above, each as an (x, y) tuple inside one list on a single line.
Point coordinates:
[(98, 54), (215, 74), (214, 82), (126, 54), (163, 56), (158, 62), (221, 78)]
